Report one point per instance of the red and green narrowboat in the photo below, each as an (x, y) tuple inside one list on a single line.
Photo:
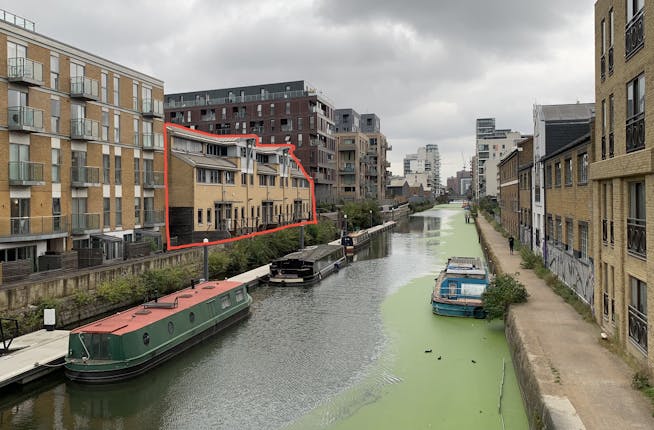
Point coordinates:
[(132, 342)]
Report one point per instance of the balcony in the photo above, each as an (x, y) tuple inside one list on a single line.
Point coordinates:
[(24, 71), (634, 37), (84, 88), (152, 108), (154, 218), (347, 146), (153, 141), (84, 129), (85, 176), (153, 179), (638, 328), (348, 168), (25, 118), (18, 229), (25, 173), (636, 132), (85, 223), (636, 237)]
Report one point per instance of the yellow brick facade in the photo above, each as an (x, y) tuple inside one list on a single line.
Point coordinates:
[(30, 225), (623, 178)]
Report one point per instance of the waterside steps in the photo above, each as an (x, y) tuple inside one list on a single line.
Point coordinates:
[(33, 356)]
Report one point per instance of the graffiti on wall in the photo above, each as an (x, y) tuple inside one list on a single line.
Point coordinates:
[(576, 274)]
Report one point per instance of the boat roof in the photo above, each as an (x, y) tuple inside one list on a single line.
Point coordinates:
[(143, 315), (311, 253), (465, 265), (358, 233)]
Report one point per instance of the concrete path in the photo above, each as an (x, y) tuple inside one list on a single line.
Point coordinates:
[(37, 350), (580, 382)]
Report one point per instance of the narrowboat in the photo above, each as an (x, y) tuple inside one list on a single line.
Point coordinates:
[(459, 288), (354, 241), (307, 266), (132, 342)]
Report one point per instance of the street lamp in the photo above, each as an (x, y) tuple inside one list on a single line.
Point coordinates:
[(370, 217), (345, 216)]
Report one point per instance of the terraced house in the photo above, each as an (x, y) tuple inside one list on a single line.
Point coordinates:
[(224, 187), (623, 174), (82, 147)]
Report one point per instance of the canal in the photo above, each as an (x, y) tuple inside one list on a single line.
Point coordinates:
[(348, 353)]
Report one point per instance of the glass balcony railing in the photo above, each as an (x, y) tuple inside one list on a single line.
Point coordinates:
[(17, 20), (16, 228), (153, 141), (153, 179), (25, 173), (25, 118), (85, 176), (82, 87), (153, 218), (84, 129), (24, 70), (153, 107), (85, 222)]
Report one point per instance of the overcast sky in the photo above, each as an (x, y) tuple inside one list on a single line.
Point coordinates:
[(428, 68)]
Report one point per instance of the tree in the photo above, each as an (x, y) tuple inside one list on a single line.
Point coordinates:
[(502, 292)]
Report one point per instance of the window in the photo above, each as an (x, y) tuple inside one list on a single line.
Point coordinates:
[(119, 211), (559, 230), (239, 295), (137, 210), (137, 171), (244, 178), (636, 225), (299, 123), (271, 181), (583, 240), (136, 132), (104, 78), (56, 214), (54, 72), (20, 214), (56, 165), (225, 302), (636, 96), (106, 206), (287, 111), (106, 169), (568, 171), (208, 216), (569, 235), (135, 96), (116, 127), (557, 174), (548, 176), (229, 178), (272, 109), (199, 216), (116, 90), (633, 8), (55, 115), (582, 168), (262, 180), (117, 170), (638, 313), (259, 112), (105, 126)]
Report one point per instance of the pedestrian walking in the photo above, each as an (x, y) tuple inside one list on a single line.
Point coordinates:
[(511, 240)]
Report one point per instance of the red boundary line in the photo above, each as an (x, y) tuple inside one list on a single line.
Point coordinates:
[(258, 144)]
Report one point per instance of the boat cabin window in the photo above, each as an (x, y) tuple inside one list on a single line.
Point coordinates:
[(451, 288), (239, 295), (99, 346), (225, 302)]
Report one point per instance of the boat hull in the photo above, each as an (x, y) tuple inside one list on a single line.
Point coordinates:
[(120, 371), (458, 310)]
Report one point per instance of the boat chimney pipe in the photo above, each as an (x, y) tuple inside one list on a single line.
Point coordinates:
[(193, 284)]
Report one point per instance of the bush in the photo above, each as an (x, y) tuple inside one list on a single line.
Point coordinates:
[(502, 292), (529, 259)]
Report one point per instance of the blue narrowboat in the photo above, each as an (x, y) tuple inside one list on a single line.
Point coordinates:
[(459, 288)]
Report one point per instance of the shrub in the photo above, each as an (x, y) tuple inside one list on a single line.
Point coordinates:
[(503, 291)]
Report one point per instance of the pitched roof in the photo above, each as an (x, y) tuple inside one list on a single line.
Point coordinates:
[(204, 161), (564, 112)]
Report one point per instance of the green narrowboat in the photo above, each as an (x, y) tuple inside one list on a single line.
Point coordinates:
[(131, 342)]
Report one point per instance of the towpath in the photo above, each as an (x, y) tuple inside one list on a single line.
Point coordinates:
[(581, 384)]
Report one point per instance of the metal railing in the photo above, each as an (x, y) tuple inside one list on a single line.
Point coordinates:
[(153, 141), (21, 172), (634, 37), (152, 107), (636, 237), (636, 132), (16, 20), (84, 129), (24, 69), (85, 222), (81, 86), (638, 328), (25, 118), (238, 99), (84, 175), (153, 179)]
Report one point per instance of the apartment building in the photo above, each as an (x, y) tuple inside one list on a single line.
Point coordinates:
[(354, 167), (426, 161), (221, 187), (286, 112), (83, 149), (525, 184), (554, 127), (508, 197), (622, 174), (460, 184), (568, 209), (491, 145)]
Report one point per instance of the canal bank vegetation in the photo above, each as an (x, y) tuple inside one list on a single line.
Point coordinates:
[(503, 291), (362, 214), (419, 207)]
